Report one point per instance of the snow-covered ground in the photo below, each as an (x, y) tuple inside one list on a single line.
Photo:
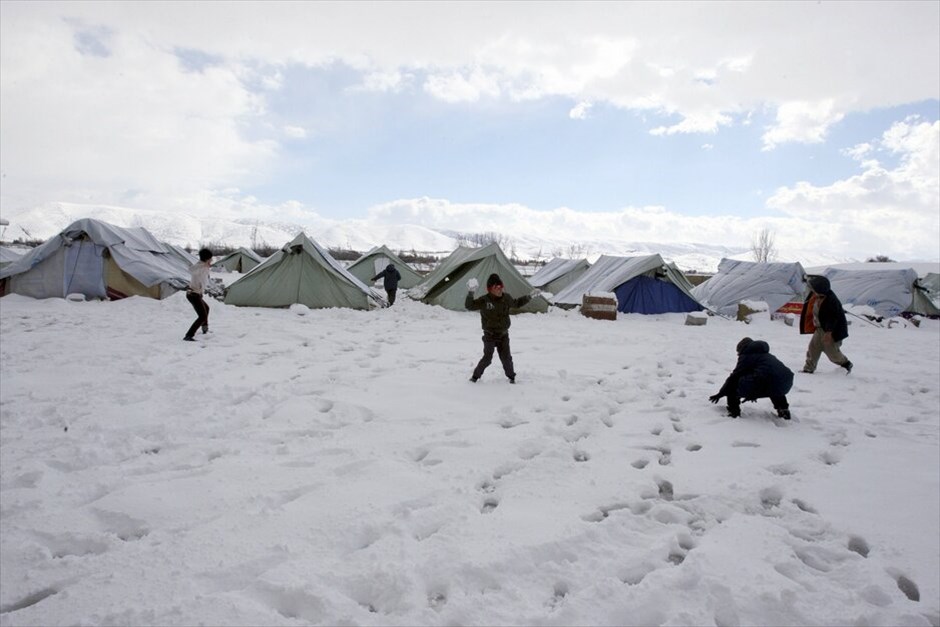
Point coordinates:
[(338, 467)]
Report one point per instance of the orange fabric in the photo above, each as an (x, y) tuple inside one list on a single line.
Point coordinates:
[(808, 325)]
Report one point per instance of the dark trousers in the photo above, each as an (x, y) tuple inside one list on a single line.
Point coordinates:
[(779, 402), (500, 344), (202, 311), (391, 296)]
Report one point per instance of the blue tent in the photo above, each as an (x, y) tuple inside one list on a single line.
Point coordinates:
[(644, 285), (646, 295)]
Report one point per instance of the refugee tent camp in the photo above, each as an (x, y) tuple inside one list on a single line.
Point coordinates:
[(99, 260), (889, 292), (558, 274), (736, 281), (376, 260), (241, 260), (644, 284), (447, 284), (302, 272)]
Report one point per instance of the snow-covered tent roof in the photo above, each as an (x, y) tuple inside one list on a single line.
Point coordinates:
[(181, 254), (773, 283), (888, 292), (376, 260), (241, 260), (558, 274), (645, 284), (302, 272), (8, 255), (99, 260), (447, 284)]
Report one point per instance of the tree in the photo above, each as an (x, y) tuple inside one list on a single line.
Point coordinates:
[(762, 247), (879, 259)]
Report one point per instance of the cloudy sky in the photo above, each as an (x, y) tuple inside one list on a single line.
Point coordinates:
[(667, 122)]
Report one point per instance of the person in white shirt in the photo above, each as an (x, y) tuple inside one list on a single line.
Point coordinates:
[(199, 274)]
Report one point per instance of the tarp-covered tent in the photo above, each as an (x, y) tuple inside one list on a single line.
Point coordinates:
[(558, 274), (645, 285), (302, 272), (241, 260), (888, 292), (8, 255), (447, 284), (931, 284), (99, 260), (180, 253), (736, 281), (376, 260)]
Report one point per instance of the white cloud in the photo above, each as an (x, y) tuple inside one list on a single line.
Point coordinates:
[(295, 132), (881, 208), (580, 111), (704, 122), (805, 122), (93, 128), (385, 81), (463, 86)]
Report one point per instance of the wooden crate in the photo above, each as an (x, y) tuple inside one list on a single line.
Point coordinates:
[(599, 307)]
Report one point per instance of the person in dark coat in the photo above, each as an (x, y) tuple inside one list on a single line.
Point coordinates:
[(824, 317), (758, 374), (494, 309), (390, 277)]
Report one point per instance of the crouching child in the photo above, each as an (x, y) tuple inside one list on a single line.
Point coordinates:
[(758, 374)]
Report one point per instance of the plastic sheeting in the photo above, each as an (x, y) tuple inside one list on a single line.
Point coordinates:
[(773, 283)]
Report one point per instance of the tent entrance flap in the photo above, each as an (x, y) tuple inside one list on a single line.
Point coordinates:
[(84, 269), (645, 295)]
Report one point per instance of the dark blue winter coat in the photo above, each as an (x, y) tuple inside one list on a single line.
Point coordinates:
[(758, 374), (390, 277)]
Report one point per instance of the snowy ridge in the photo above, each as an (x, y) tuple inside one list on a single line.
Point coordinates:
[(192, 231)]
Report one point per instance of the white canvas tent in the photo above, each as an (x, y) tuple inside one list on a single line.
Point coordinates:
[(241, 260), (558, 274), (736, 281), (447, 284), (644, 284), (888, 292), (302, 272), (376, 260), (99, 260)]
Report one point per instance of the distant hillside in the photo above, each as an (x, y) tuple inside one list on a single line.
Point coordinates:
[(193, 231)]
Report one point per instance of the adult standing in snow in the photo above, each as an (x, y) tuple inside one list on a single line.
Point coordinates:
[(390, 277), (494, 309), (758, 374), (199, 278), (824, 317)]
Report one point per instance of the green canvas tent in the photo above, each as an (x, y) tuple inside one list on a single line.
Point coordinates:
[(376, 260), (302, 272), (447, 284), (241, 260)]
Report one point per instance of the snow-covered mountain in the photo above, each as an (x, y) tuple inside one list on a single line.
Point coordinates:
[(189, 230)]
